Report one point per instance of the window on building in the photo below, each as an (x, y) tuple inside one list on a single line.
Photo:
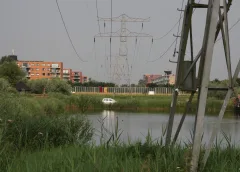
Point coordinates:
[(37, 74), (43, 74), (32, 64), (32, 74), (37, 68), (37, 64), (43, 69), (43, 64), (48, 74), (48, 64)]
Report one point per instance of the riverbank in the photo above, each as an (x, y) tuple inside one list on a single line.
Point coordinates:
[(55, 103), (134, 157), (139, 103), (38, 134)]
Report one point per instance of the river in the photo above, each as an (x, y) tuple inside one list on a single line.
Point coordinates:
[(135, 126)]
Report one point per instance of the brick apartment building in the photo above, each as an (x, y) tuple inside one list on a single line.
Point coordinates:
[(150, 78), (67, 74), (167, 78), (76, 77), (41, 69)]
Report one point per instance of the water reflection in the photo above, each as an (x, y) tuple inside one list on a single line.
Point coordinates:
[(108, 118), (137, 125)]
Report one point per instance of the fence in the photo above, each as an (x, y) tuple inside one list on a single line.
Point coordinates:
[(123, 90)]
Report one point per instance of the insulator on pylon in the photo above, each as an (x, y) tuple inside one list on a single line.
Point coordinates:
[(142, 25), (110, 40), (104, 24), (136, 40), (152, 40), (94, 39)]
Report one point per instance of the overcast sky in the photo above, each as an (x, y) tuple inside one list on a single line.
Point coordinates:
[(33, 28)]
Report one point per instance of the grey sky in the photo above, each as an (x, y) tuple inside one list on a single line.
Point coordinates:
[(35, 30)]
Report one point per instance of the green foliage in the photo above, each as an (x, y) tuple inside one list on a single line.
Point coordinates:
[(4, 85), (53, 85), (11, 72), (33, 133), (58, 86), (131, 157), (83, 102), (95, 84), (37, 86), (6, 59)]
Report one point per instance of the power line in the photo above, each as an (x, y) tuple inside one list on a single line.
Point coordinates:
[(230, 29), (168, 32), (178, 27), (68, 33), (164, 52)]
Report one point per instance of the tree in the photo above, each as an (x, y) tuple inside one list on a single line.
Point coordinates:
[(54, 85), (141, 83), (11, 72), (238, 81), (4, 85), (6, 59)]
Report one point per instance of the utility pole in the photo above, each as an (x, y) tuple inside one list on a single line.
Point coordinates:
[(186, 79), (121, 62)]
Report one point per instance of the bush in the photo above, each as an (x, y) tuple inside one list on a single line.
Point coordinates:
[(58, 86), (37, 86), (53, 85), (4, 84), (32, 133)]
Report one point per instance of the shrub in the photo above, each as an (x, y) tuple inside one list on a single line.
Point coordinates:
[(4, 84), (33, 133), (53, 85)]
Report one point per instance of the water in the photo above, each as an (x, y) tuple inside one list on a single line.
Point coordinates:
[(135, 126)]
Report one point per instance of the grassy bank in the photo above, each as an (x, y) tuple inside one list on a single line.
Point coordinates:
[(140, 103), (36, 135), (55, 103), (135, 158)]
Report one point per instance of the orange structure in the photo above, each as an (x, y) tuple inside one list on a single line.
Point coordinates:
[(84, 79), (41, 69), (76, 77), (67, 74), (150, 78)]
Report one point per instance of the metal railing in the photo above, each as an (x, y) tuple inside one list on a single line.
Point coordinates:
[(123, 90)]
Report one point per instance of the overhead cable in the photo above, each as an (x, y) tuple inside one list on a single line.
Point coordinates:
[(68, 33)]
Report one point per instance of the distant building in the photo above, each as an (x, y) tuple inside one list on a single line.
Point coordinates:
[(150, 78), (84, 79), (67, 74), (168, 78), (76, 77), (41, 69)]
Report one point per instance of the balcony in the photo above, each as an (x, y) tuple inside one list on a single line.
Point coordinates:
[(55, 71), (55, 66)]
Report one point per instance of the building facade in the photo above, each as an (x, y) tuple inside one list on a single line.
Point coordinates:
[(165, 79), (150, 78), (76, 77), (41, 69), (84, 79), (67, 74)]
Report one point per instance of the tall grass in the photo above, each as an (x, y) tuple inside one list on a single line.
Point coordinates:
[(133, 157)]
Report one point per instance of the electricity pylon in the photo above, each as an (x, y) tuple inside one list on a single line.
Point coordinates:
[(186, 79), (123, 33)]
